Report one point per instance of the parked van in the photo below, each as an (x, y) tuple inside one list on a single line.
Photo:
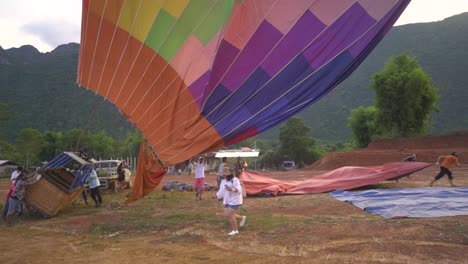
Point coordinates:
[(107, 173), (289, 165)]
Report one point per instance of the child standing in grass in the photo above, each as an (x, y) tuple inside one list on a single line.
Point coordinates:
[(230, 191), (199, 185)]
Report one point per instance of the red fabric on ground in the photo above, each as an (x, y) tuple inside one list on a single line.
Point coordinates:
[(344, 178)]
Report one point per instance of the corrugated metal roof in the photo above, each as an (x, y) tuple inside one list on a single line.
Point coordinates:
[(6, 162), (235, 154)]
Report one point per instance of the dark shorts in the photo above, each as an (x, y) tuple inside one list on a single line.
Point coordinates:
[(219, 178), (121, 178), (442, 172), (237, 206)]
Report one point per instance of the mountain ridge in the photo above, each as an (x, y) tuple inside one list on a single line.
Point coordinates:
[(42, 85)]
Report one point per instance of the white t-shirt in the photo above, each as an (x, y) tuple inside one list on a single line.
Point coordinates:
[(231, 198), (14, 175), (200, 170), (220, 169)]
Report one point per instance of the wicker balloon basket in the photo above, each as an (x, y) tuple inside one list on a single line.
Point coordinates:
[(52, 192)]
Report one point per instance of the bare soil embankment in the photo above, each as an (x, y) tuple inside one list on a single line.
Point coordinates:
[(427, 148)]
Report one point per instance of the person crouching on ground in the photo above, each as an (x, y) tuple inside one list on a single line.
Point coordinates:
[(231, 192), (411, 158), (94, 184), (14, 202), (446, 162)]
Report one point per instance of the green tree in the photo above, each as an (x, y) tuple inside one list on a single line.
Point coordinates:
[(7, 151), (75, 140), (4, 116), (296, 143), (101, 146), (28, 146), (363, 125), (270, 159), (132, 144), (53, 145), (405, 97)]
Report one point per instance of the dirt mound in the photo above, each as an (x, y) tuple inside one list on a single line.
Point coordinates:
[(427, 148)]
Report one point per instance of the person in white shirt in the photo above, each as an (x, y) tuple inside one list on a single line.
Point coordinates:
[(199, 185), (190, 168), (219, 174), (16, 173), (230, 191)]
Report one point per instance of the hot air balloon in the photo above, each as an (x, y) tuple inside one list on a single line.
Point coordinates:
[(195, 76)]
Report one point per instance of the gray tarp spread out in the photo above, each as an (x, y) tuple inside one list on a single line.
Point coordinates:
[(415, 202)]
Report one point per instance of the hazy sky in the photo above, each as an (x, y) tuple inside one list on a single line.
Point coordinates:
[(45, 24)]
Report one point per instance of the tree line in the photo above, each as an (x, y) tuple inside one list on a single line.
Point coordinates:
[(32, 147)]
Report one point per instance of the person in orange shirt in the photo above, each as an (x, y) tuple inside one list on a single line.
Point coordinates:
[(446, 162)]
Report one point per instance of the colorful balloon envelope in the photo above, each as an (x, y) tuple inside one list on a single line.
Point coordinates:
[(195, 76)]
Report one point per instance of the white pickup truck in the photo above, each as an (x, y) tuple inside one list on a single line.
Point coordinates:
[(107, 173)]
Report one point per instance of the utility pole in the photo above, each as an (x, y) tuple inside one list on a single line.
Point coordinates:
[(255, 149)]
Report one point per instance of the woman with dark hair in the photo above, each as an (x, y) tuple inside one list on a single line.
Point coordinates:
[(199, 184), (230, 191), (121, 176)]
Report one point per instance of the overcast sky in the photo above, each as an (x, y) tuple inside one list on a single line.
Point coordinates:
[(45, 24)]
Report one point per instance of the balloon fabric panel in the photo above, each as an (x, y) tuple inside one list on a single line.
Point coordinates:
[(196, 76)]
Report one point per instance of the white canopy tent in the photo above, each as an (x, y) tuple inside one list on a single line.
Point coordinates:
[(237, 153)]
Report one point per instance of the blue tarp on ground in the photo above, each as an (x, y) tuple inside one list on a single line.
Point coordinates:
[(415, 202)]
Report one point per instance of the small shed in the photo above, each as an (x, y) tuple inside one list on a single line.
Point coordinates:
[(234, 153), (6, 168)]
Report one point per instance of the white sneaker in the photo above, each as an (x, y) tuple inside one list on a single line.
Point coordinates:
[(233, 233), (242, 222)]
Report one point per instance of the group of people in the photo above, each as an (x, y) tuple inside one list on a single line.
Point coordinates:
[(20, 179), (445, 163), (15, 196), (94, 184), (230, 190)]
